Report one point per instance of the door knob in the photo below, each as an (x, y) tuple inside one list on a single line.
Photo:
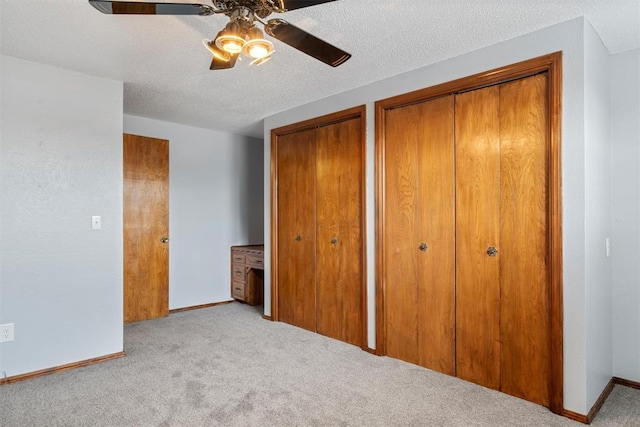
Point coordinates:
[(423, 247), (492, 251), (298, 237), (334, 241), (165, 239)]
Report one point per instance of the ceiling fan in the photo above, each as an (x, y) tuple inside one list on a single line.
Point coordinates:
[(240, 35)]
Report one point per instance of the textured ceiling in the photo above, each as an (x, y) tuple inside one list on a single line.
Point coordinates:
[(165, 68)]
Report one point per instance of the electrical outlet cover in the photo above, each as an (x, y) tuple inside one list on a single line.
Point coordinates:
[(6, 332)]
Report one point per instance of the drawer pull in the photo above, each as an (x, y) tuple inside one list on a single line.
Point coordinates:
[(423, 247)]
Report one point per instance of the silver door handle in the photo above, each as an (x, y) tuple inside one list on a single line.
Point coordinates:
[(165, 239), (423, 247), (492, 251)]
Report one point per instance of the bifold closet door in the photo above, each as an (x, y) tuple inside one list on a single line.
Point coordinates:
[(502, 283), (478, 229), (419, 234), (297, 228), (524, 223), (339, 231)]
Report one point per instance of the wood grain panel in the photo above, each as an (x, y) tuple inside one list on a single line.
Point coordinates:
[(296, 217), (436, 228), (146, 222), (477, 228), (329, 262), (400, 236), (339, 211), (524, 314)]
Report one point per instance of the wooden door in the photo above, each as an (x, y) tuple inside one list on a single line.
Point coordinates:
[(339, 268), (524, 280), (296, 229), (146, 226), (502, 304), (419, 234), (477, 229)]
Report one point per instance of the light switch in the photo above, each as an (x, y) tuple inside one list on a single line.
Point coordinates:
[(96, 222)]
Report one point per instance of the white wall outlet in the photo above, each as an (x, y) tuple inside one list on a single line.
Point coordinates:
[(607, 247), (96, 222), (6, 332)]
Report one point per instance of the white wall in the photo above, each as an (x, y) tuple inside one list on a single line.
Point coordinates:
[(215, 201), (567, 37), (597, 140), (60, 163), (625, 135)]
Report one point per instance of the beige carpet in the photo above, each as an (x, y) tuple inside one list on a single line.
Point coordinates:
[(226, 366)]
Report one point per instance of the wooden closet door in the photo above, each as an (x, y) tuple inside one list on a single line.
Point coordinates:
[(296, 229), (502, 303), (524, 308), (419, 208), (339, 231), (477, 229)]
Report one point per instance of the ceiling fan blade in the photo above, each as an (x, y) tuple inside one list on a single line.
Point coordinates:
[(299, 4), (138, 8), (305, 42), (218, 64)]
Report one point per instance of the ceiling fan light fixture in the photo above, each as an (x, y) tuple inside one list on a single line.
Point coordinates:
[(259, 61), (257, 47), (216, 51), (231, 39)]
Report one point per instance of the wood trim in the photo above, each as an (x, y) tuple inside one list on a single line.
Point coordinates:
[(363, 226), (626, 383), (380, 208), (598, 404), (61, 368), (274, 225), (556, 391), (269, 318), (198, 307), (328, 119), (551, 64), (371, 351), (587, 419), (476, 81), (574, 416)]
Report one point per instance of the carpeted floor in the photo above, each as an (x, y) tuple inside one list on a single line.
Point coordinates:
[(226, 366)]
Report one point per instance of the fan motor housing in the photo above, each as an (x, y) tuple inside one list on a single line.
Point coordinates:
[(260, 8)]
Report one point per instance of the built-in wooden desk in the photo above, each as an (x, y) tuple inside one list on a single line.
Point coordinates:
[(247, 273)]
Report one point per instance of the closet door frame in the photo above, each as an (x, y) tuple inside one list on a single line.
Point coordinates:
[(358, 112), (552, 65)]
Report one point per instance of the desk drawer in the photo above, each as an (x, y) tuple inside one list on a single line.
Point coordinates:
[(237, 290), (255, 261), (238, 258), (238, 272)]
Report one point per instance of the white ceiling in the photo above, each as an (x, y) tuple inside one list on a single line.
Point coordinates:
[(165, 68)]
